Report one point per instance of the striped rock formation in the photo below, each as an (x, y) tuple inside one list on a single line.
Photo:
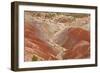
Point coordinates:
[(44, 41)]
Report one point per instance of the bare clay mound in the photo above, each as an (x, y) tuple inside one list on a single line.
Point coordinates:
[(56, 36)]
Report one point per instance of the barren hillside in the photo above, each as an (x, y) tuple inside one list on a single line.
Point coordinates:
[(55, 36)]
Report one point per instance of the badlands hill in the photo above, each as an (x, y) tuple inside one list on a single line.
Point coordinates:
[(56, 36)]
